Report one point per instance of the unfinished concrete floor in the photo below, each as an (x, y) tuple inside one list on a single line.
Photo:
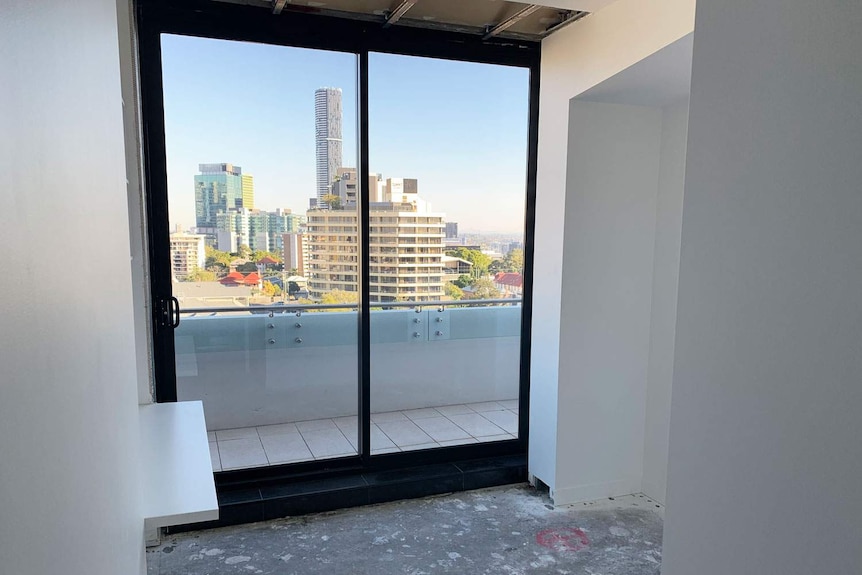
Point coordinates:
[(502, 530)]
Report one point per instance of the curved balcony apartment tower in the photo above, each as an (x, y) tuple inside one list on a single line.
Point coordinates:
[(327, 138)]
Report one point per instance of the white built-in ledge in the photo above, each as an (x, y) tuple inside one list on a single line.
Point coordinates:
[(177, 470)]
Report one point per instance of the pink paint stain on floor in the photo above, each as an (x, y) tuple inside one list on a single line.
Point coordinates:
[(564, 539)]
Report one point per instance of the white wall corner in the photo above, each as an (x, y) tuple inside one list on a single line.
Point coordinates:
[(765, 452), (69, 363), (664, 295), (130, 87), (573, 60)]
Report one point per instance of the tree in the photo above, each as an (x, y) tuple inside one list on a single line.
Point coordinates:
[(201, 276), (480, 263), (514, 261), (340, 296), (453, 291), (483, 288), (333, 201), (270, 289), (479, 260), (244, 252), (247, 267), (463, 281), (497, 266), (216, 261)]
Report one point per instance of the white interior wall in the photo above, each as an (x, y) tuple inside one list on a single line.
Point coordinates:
[(68, 390), (573, 60), (765, 450), (626, 171), (633, 434), (613, 167), (668, 229), (135, 197)]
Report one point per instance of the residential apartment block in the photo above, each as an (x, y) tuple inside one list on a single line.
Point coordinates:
[(406, 251), (187, 254), (346, 186), (295, 254)]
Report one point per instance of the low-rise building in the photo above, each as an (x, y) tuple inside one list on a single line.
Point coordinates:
[(510, 284)]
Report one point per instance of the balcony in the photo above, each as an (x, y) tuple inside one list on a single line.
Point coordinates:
[(280, 385)]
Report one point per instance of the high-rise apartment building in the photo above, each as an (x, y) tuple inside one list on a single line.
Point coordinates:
[(327, 138), (219, 188), (280, 222), (451, 230), (406, 250), (188, 254), (231, 231), (260, 230)]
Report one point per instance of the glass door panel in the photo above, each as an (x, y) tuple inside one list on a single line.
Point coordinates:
[(264, 251), (448, 152)]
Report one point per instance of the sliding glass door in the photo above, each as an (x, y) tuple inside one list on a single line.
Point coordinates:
[(339, 225), (261, 171), (448, 150)]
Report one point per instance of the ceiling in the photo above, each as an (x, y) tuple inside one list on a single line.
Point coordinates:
[(487, 18)]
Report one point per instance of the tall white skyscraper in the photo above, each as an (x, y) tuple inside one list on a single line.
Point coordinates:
[(327, 139)]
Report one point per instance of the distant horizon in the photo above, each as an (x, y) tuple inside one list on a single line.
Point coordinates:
[(461, 232), (459, 128)]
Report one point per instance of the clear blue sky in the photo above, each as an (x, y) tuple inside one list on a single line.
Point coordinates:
[(459, 128)]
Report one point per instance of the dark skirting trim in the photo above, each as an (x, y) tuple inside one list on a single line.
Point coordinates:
[(315, 495)]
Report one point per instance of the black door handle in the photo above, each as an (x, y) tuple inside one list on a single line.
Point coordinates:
[(175, 312)]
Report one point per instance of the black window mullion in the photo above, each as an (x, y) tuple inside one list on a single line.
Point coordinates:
[(529, 250), (364, 263)]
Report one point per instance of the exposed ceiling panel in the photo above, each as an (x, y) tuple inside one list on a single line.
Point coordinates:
[(487, 18), (579, 5)]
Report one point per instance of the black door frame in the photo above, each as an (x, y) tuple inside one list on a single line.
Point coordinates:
[(227, 21)]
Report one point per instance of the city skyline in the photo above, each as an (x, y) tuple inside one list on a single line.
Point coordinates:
[(265, 122)]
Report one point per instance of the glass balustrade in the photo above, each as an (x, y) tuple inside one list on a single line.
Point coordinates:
[(287, 371)]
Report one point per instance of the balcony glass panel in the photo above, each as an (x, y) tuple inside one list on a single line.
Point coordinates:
[(255, 390)]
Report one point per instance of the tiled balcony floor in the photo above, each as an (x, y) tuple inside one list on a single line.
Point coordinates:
[(390, 432)]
